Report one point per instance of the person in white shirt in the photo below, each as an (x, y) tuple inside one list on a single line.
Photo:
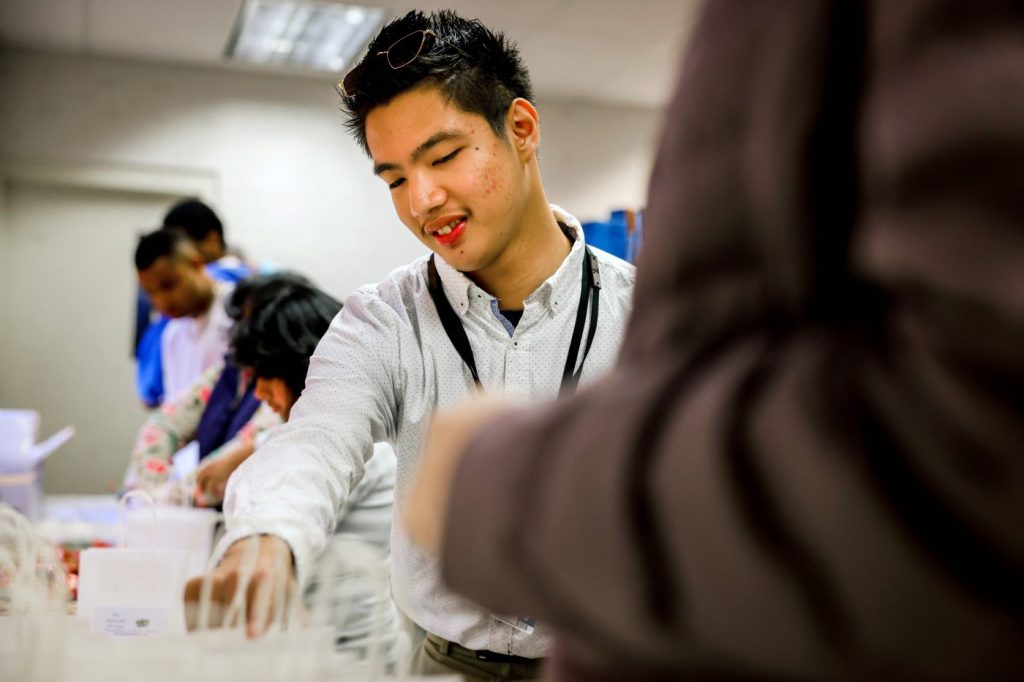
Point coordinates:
[(510, 300), (197, 221), (173, 275)]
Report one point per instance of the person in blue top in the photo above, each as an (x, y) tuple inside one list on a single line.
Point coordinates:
[(203, 227)]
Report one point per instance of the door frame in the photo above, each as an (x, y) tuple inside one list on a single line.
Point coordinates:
[(123, 177)]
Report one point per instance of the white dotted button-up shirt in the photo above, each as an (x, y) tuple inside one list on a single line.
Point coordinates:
[(382, 368)]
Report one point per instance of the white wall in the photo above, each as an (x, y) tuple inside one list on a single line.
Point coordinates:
[(596, 159), (68, 320), (291, 185)]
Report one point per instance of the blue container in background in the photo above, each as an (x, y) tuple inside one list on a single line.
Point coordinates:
[(610, 236), (621, 235), (636, 237)]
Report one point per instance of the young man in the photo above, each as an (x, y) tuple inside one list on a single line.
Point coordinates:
[(200, 224), (174, 277), (510, 300)]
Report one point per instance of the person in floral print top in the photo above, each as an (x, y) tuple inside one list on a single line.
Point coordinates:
[(177, 424)]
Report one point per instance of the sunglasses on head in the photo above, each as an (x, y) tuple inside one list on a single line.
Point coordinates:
[(401, 53)]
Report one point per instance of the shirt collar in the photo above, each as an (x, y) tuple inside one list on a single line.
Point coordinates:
[(551, 294)]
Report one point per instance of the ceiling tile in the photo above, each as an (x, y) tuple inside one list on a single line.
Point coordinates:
[(43, 23), (162, 29)]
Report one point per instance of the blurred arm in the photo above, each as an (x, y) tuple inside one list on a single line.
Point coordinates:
[(808, 459)]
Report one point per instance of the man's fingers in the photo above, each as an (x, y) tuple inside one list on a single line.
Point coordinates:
[(260, 596), (222, 586), (268, 595), (265, 563)]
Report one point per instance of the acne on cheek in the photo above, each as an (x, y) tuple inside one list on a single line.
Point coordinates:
[(490, 184)]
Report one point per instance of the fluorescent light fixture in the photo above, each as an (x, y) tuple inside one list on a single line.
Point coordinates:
[(310, 35)]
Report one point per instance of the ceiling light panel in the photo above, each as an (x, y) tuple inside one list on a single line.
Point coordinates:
[(305, 35)]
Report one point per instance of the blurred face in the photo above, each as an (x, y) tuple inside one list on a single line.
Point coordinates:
[(177, 286), (459, 188), (275, 392), (210, 247)]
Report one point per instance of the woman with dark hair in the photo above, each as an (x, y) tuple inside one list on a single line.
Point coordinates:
[(254, 304), (281, 319)]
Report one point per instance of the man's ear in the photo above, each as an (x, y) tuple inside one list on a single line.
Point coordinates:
[(524, 127)]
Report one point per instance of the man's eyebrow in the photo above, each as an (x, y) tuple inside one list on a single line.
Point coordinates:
[(432, 141), (384, 167)]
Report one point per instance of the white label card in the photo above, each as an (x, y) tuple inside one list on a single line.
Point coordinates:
[(130, 622)]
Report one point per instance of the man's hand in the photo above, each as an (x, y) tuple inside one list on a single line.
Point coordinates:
[(264, 565), (449, 433)]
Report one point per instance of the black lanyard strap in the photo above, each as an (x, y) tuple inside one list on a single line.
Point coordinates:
[(590, 287), (450, 321), (590, 283)]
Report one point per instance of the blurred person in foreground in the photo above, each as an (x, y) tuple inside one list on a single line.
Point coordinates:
[(809, 462)]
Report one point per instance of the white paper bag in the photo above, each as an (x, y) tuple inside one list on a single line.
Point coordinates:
[(179, 528), (132, 592)]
